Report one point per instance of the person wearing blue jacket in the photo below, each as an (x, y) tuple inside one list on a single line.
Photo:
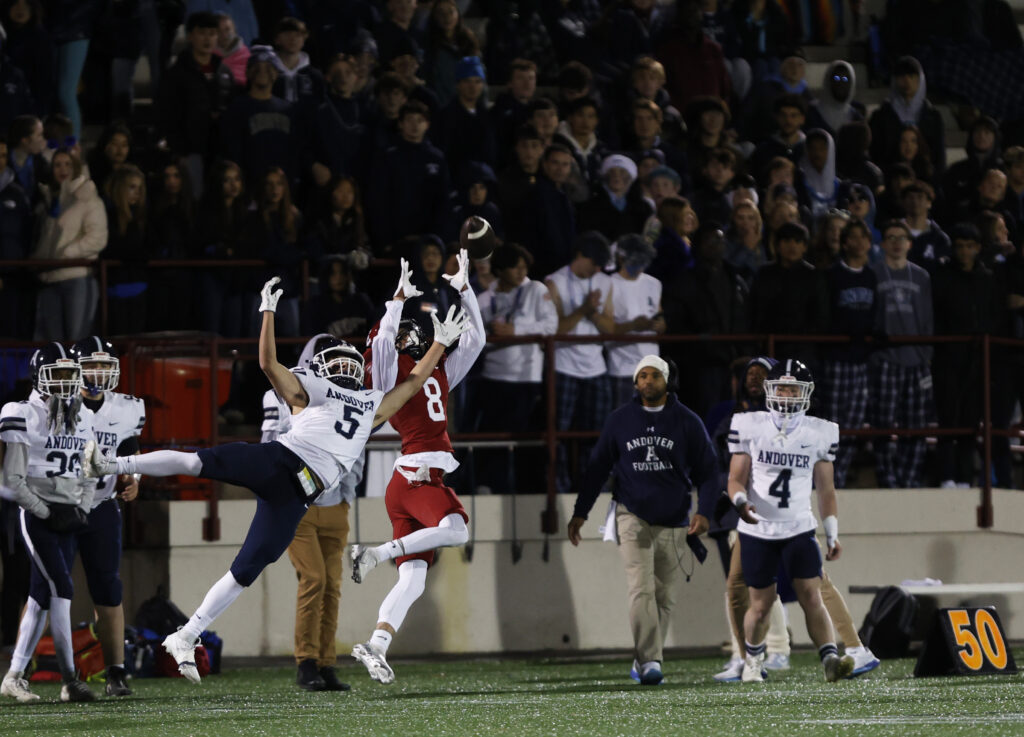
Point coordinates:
[(657, 451)]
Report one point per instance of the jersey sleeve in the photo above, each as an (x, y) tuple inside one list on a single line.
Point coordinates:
[(275, 422), (471, 343), (829, 442), (384, 357), (739, 435), (137, 412), (14, 423)]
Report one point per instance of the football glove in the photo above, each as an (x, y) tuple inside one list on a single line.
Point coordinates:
[(453, 326), (460, 278), (405, 285), (269, 296), (66, 518)]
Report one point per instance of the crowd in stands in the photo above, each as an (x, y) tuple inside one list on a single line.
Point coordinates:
[(674, 155)]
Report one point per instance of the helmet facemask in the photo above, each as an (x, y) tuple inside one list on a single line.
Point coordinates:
[(61, 379), (410, 339), (787, 395), (100, 372), (341, 365)]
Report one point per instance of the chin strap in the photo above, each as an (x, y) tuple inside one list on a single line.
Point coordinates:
[(786, 423)]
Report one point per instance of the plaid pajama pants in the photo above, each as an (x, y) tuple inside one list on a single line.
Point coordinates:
[(582, 404), (901, 397), (845, 402)]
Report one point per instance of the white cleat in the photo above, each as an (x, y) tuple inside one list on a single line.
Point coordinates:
[(363, 561), (95, 463), (732, 672), (776, 661), (184, 653), (753, 669), (374, 661), (16, 687), (864, 660), (837, 667)]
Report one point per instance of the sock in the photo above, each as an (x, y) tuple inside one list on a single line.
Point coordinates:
[(829, 648), (381, 639), (33, 622), (450, 531), (388, 551), (412, 580), (119, 665), (220, 596), (755, 650), (60, 628), (161, 463)]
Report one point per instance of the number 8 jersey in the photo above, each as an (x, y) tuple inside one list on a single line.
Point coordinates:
[(781, 470)]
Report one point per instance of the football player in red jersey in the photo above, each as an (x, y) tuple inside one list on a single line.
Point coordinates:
[(425, 514)]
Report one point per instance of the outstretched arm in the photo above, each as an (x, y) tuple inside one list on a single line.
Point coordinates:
[(284, 381)]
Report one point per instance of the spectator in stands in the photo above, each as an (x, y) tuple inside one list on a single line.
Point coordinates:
[(129, 241), (72, 224), (853, 307), (684, 49), (1013, 202), (791, 79), (517, 181), (709, 299), (516, 31), (678, 223), (913, 151), (720, 25), (662, 182), (17, 296), (647, 83), (1008, 370), (784, 209), (857, 200), (256, 130), (382, 118), (930, 246), (890, 204), (983, 153), (966, 302), (745, 249), (827, 247), (26, 143), (907, 105), (395, 29), (990, 194), (340, 229), (552, 217), (996, 246), (219, 220), (71, 24), (511, 108), (29, 49), (790, 114), (818, 166), (113, 150), (511, 388), (622, 34), (477, 186), (463, 130), (577, 132), (335, 139), (645, 135), (616, 207), (853, 146), (764, 34), (171, 299), (297, 80), (583, 298), (779, 171), (448, 41), (241, 12), (901, 380), (340, 309), (710, 199), (193, 94), (707, 121), (836, 106), (428, 264), (406, 64), (409, 183), (231, 48)]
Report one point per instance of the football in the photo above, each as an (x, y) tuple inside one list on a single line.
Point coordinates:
[(477, 237)]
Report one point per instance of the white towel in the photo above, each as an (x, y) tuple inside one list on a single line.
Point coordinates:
[(609, 530)]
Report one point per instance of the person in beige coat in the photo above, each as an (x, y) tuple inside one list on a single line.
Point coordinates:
[(72, 225)]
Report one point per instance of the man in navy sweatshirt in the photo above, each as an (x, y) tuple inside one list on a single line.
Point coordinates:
[(657, 451)]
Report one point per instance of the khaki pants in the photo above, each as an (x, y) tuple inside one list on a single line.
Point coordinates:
[(316, 553), (739, 601), (651, 556)]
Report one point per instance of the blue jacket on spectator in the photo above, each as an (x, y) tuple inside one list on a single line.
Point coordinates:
[(257, 135), (334, 137), (409, 187), (553, 228)]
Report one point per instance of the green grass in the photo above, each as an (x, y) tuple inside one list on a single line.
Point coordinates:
[(539, 697)]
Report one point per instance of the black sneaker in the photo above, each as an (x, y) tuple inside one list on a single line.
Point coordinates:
[(116, 683), (76, 690), (331, 680), (309, 677)]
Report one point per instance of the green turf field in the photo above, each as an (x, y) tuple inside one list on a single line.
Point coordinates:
[(540, 697)]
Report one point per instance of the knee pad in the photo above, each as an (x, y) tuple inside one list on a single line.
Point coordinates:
[(456, 527)]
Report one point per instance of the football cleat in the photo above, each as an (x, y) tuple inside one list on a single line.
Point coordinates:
[(76, 690), (732, 672), (374, 661), (95, 463), (116, 684), (184, 653), (776, 661), (650, 674), (363, 561), (837, 667), (634, 671), (753, 669), (864, 661), (16, 687)]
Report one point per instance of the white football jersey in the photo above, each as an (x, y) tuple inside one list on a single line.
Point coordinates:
[(121, 416), (781, 470), (52, 452), (330, 433)]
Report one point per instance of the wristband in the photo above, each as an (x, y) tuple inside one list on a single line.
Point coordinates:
[(831, 525), (739, 501)]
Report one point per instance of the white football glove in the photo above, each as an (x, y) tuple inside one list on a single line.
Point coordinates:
[(269, 296), (460, 278), (405, 285), (453, 326)]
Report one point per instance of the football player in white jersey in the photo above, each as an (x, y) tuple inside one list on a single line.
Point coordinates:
[(324, 442), (43, 439), (778, 457)]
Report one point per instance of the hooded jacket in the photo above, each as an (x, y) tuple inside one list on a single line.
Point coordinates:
[(829, 113), (78, 231), (889, 120)]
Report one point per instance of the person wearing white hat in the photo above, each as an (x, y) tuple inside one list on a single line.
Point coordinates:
[(616, 208), (657, 451)]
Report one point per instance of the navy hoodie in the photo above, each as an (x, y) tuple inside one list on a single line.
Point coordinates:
[(656, 458)]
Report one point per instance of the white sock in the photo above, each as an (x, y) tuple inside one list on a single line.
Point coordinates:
[(161, 463), (449, 532), (381, 639), (33, 622), (60, 628), (412, 580), (220, 596)]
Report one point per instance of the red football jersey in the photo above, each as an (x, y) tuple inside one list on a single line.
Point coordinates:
[(423, 421)]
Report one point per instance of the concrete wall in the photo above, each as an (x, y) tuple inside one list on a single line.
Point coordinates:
[(577, 598)]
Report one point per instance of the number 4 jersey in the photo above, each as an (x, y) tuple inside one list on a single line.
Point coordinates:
[(781, 470)]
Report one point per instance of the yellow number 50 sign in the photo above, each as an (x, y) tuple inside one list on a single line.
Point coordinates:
[(965, 641)]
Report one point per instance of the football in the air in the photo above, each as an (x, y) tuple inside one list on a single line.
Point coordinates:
[(477, 237)]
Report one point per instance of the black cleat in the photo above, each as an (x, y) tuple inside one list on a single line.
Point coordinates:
[(309, 677), (76, 690), (116, 682), (331, 680)]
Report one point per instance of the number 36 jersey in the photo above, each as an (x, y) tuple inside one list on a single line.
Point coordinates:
[(781, 470), (329, 434), (53, 452)]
